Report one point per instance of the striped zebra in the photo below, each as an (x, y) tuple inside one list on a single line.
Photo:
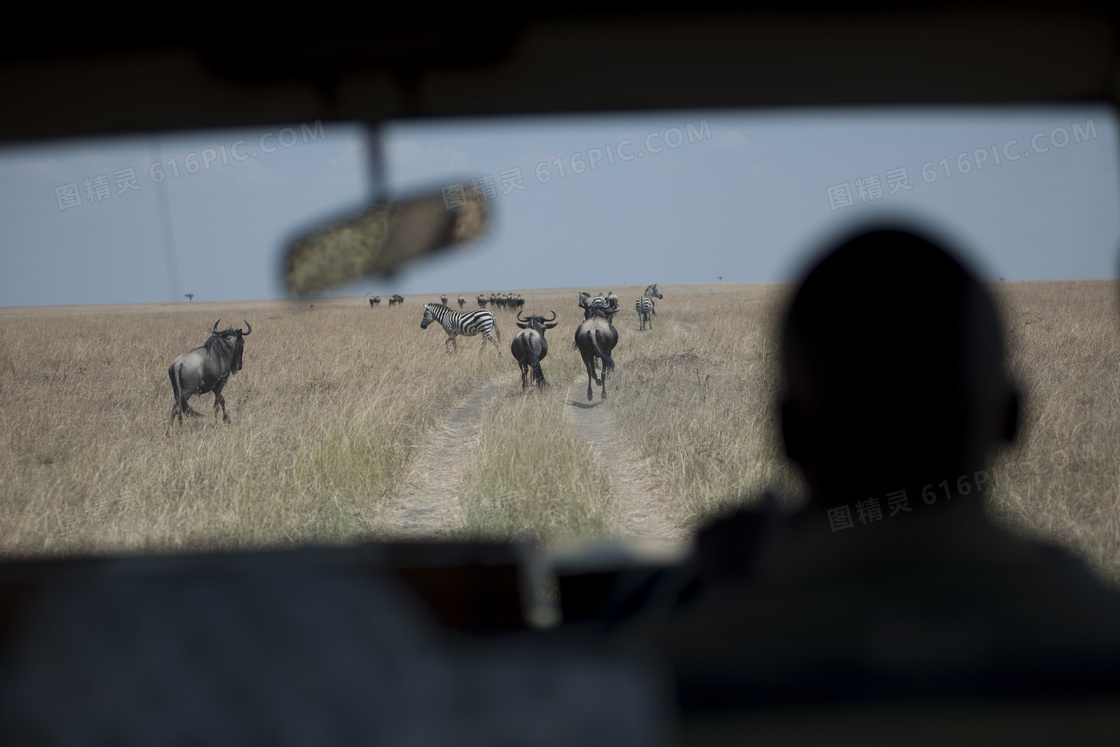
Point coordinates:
[(468, 323), (590, 303), (644, 306)]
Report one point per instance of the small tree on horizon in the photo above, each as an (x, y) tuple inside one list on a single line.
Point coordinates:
[(190, 297)]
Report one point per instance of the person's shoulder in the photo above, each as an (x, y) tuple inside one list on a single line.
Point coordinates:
[(1038, 574), (731, 544)]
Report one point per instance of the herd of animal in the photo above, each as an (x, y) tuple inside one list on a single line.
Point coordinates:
[(393, 300), (595, 337), (496, 300), (208, 367)]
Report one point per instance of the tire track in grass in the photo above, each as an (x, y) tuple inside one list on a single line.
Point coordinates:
[(430, 505), (643, 506)]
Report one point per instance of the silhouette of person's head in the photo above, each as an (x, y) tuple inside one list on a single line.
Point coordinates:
[(893, 370)]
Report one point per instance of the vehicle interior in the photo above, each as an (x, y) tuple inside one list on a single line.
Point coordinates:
[(533, 654)]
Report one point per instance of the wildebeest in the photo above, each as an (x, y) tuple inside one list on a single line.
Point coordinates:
[(482, 301), (468, 323), (462, 301), (443, 299), (206, 369), (395, 299), (375, 300), (529, 346), (596, 338)]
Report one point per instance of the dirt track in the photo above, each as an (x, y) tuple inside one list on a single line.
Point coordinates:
[(430, 504), (641, 502), (430, 500)]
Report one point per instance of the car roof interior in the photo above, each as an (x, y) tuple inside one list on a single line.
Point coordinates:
[(582, 59)]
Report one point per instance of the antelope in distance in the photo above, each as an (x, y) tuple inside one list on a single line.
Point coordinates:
[(206, 369), (467, 323), (596, 337), (529, 347)]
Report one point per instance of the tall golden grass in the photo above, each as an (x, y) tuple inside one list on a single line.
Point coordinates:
[(334, 402), (1061, 480), (329, 407)]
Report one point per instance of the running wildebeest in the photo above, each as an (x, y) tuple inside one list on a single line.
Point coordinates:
[(206, 369), (529, 347), (596, 338)]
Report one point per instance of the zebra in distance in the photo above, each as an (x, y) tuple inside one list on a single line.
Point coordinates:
[(644, 306), (590, 303), (467, 323)]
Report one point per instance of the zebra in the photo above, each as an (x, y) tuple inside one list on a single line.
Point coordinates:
[(466, 323), (589, 303), (644, 306), (652, 293)]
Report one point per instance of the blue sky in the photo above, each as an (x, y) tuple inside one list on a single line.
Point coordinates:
[(679, 197)]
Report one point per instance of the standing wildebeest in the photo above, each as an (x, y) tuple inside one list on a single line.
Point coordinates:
[(375, 300), (596, 338), (644, 306), (530, 347), (206, 369), (482, 301), (443, 299), (395, 299), (462, 301), (468, 323)]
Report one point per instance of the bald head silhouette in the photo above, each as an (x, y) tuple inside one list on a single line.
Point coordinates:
[(892, 369)]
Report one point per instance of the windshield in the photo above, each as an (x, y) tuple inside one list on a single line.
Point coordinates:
[(348, 421)]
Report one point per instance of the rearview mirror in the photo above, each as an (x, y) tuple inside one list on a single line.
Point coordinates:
[(382, 239)]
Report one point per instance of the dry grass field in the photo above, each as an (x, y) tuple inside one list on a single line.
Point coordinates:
[(351, 423)]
